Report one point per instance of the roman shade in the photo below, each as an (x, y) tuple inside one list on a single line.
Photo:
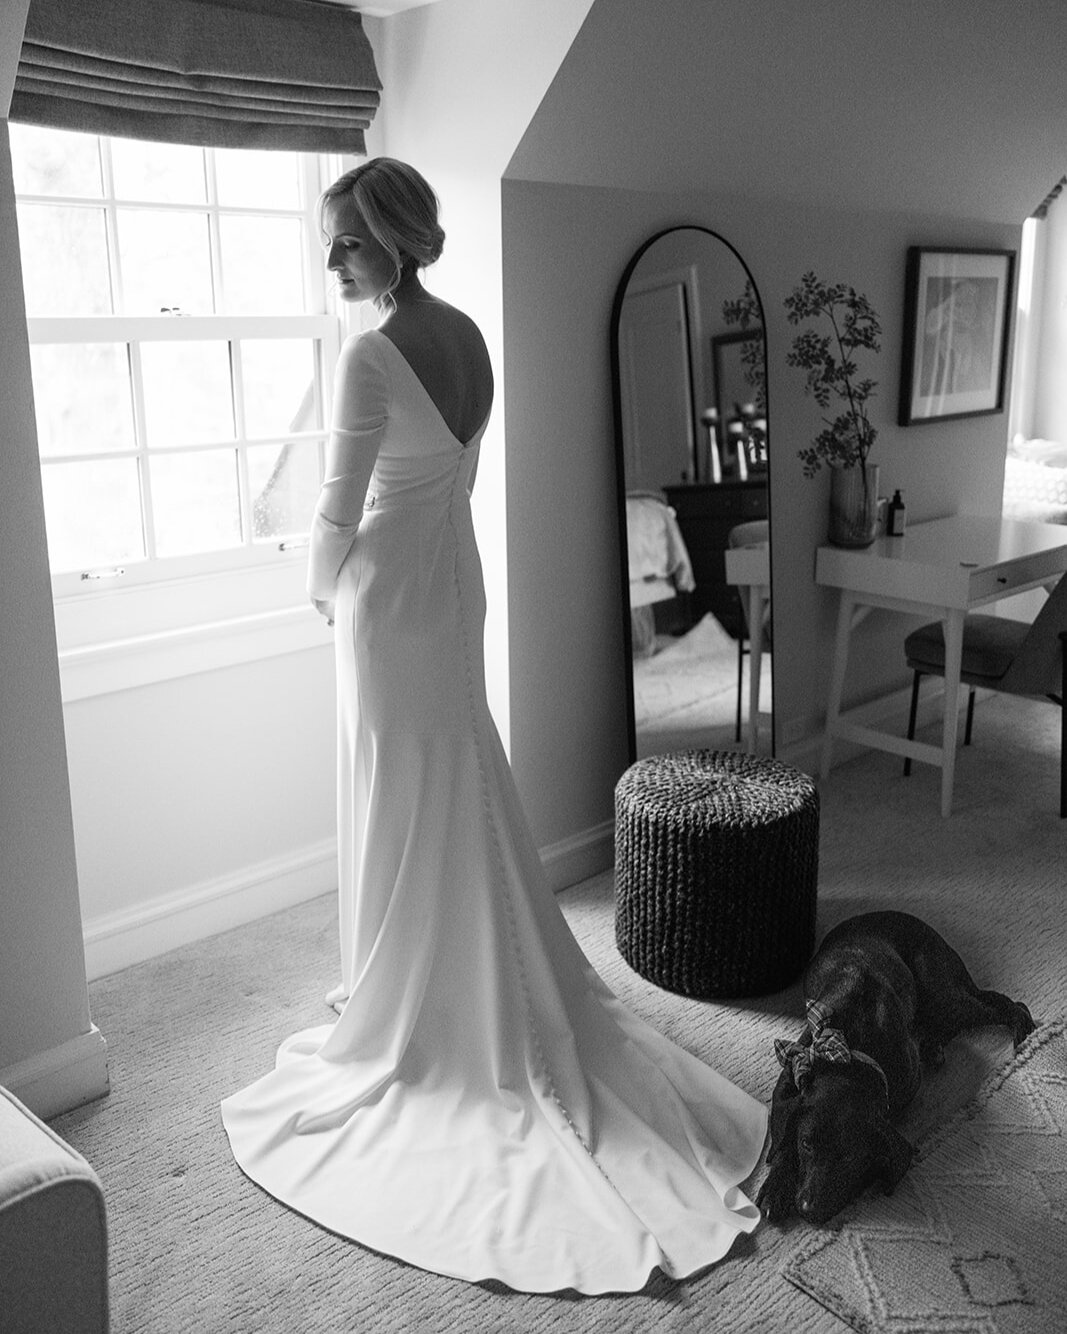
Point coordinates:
[(282, 74)]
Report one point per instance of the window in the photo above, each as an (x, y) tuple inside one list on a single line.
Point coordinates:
[(181, 351)]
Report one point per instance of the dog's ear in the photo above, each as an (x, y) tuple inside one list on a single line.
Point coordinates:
[(785, 1103), (894, 1158)]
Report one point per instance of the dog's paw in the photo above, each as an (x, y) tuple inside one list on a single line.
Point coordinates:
[(1024, 1024), (776, 1197)]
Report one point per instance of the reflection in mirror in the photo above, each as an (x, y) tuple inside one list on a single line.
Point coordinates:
[(689, 368)]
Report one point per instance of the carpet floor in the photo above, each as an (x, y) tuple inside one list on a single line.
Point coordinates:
[(685, 695), (195, 1246)]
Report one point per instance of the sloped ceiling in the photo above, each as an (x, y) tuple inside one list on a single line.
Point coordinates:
[(955, 107)]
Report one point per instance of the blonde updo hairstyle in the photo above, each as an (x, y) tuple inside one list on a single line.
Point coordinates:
[(399, 208)]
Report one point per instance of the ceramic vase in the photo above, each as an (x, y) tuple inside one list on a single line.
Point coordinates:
[(854, 506)]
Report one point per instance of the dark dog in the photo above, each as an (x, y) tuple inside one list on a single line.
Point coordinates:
[(886, 993)]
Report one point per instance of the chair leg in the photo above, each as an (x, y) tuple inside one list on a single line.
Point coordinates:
[(970, 718), (911, 719), (740, 674)]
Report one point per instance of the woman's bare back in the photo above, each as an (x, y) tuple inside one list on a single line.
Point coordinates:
[(448, 354)]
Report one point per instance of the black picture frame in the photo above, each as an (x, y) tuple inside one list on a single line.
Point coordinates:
[(728, 366), (957, 320)]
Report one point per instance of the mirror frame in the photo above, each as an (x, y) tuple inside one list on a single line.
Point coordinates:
[(620, 479)]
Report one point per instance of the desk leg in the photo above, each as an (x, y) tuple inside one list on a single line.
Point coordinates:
[(837, 679), (953, 624), (755, 662)]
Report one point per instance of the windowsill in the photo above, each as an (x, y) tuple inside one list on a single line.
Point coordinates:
[(117, 639), (102, 669)]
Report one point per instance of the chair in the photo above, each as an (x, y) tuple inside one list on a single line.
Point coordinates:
[(1013, 657), (53, 1231), (752, 534)]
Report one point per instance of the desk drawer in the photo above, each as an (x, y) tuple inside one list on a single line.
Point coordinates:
[(1027, 571), (989, 584)]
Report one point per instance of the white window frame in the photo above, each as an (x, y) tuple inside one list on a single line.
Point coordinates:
[(166, 617), (135, 331)]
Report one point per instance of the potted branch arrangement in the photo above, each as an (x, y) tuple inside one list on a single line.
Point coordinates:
[(845, 441)]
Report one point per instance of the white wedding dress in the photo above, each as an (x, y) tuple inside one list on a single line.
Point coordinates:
[(484, 1107)]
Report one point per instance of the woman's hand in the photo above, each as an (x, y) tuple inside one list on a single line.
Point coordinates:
[(324, 609)]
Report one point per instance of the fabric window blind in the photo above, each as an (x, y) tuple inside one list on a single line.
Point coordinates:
[(282, 74)]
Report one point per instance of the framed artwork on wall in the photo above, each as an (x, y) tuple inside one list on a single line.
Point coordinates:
[(957, 305)]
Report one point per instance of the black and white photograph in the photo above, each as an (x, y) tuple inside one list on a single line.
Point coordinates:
[(533, 649)]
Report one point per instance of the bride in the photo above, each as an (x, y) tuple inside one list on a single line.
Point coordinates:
[(483, 1106)]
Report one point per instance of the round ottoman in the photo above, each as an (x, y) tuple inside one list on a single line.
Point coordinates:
[(716, 867)]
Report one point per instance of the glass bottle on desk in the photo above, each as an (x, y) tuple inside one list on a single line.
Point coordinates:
[(896, 516)]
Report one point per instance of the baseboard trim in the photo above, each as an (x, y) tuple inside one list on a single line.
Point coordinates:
[(584, 854), (116, 940), (61, 1078)]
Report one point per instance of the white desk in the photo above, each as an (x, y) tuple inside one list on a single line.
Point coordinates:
[(941, 570), (750, 569)]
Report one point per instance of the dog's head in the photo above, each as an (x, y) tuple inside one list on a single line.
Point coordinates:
[(838, 1127)]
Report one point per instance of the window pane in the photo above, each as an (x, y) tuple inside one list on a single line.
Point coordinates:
[(285, 485), (187, 392), (166, 262), (163, 173), (253, 178), (55, 162), (262, 266), (93, 513), (195, 502), (278, 375), (64, 260), (82, 395)]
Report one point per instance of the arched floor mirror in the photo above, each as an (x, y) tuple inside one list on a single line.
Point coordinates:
[(689, 374)]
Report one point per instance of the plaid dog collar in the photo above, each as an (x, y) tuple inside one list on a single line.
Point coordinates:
[(827, 1045)]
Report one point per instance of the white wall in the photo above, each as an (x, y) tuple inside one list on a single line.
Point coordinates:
[(201, 802), (50, 1053), (808, 136)]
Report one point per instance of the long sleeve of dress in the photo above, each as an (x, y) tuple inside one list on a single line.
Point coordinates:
[(359, 414)]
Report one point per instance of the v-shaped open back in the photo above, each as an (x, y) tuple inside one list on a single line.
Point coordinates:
[(463, 431)]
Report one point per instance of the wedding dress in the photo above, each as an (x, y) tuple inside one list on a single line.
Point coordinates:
[(484, 1107)]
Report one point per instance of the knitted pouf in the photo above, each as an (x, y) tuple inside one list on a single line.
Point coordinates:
[(716, 864)]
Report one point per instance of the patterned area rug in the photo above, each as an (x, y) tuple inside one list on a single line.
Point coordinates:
[(974, 1239)]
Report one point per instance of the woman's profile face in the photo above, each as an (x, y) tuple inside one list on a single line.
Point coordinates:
[(362, 266)]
